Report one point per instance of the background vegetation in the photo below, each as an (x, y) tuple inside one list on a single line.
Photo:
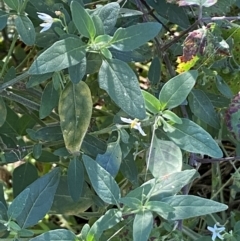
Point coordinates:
[(119, 120)]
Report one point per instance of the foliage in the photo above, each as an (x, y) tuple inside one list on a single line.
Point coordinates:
[(83, 138)]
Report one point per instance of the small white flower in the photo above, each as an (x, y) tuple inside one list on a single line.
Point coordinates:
[(48, 21), (216, 231), (134, 124)]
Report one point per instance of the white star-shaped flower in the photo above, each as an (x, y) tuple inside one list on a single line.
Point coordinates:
[(135, 124), (48, 21), (216, 231)]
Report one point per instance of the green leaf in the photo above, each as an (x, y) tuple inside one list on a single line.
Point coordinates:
[(3, 19), (75, 177), (56, 235), (25, 29), (160, 161), (188, 206), (98, 25), (202, 107), (47, 156), (142, 226), (38, 79), (131, 202), (151, 102), (193, 138), (223, 88), (17, 206), (158, 207), (37, 150), (105, 222), (75, 111), (154, 73), (111, 159), (171, 184), (62, 54), (82, 20), (64, 204), (121, 83), (102, 181), (129, 169), (49, 100), (38, 201), (109, 15), (49, 133), (167, 114), (92, 146), (3, 111), (13, 4), (176, 90), (127, 39), (23, 176), (76, 72)]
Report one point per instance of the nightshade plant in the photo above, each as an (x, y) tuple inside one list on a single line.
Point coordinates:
[(88, 142)]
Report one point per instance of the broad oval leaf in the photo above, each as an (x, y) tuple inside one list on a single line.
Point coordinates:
[(102, 181), (111, 159), (188, 206), (25, 29), (121, 83), (109, 15), (127, 39), (38, 201), (75, 111), (15, 5), (158, 207), (56, 235), (176, 90), (49, 100), (161, 161), (142, 225), (75, 176), (62, 54), (193, 138), (82, 20), (202, 107)]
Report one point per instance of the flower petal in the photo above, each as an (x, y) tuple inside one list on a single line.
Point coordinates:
[(45, 17), (139, 128), (126, 120), (45, 26)]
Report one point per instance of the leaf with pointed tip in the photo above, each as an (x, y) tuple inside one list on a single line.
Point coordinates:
[(62, 54), (142, 225), (49, 100), (37, 200), (130, 38), (122, 85), (75, 177), (193, 138), (82, 20), (111, 159), (75, 111), (102, 181), (176, 90), (161, 161), (25, 29)]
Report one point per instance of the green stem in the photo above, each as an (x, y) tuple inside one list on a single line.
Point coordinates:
[(9, 54)]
